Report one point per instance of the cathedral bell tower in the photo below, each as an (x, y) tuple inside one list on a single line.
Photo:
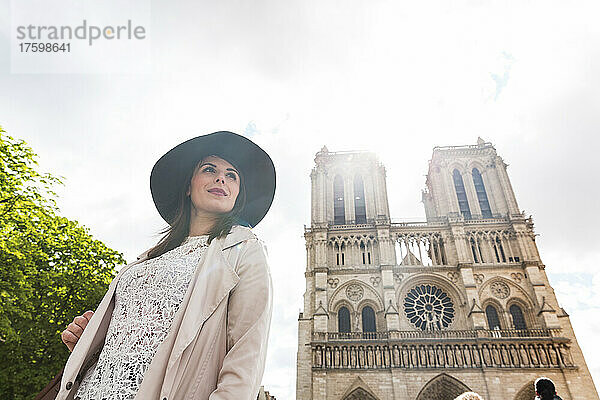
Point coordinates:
[(348, 188), (472, 183)]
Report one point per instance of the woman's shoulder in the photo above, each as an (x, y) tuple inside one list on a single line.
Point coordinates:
[(254, 249), (251, 235), (241, 232), (241, 228)]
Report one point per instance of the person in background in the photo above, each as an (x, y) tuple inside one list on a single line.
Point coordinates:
[(545, 389)]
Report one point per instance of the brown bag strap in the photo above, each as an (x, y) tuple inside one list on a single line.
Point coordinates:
[(51, 390)]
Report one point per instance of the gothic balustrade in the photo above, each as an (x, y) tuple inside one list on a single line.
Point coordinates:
[(428, 244), (420, 224), (488, 241), (496, 220), (442, 354), (434, 223), (350, 226), (322, 336), (437, 335)]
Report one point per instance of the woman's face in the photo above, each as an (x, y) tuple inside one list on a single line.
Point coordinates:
[(214, 186)]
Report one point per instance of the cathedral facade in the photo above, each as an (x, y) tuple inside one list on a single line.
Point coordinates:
[(429, 310)]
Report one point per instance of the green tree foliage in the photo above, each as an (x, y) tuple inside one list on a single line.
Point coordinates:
[(51, 270)]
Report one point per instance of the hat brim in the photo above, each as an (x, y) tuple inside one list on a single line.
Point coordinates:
[(257, 169)]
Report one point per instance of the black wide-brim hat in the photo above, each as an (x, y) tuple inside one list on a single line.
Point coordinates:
[(256, 167)]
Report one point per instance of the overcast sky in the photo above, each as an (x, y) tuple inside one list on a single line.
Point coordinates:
[(393, 77)]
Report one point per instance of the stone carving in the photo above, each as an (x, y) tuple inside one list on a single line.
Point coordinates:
[(500, 290), (354, 292), (333, 282), (453, 276), (478, 278), (398, 277), (467, 356), (375, 280), (517, 277)]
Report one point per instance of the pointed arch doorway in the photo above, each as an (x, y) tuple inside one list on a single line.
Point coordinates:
[(442, 387), (359, 394), (527, 392), (359, 390)]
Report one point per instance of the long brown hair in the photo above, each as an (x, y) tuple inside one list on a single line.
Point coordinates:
[(179, 228)]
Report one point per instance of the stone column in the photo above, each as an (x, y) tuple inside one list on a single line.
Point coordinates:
[(320, 244), (542, 294), (475, 312), (392, 318), (386, 204), (451, 202), (328, 198), (509, 194), (304, 359), (385, 245), (318, 196), (370, 196), (314, 198), (458, 236), (526, 243), (380, 195), (490, 190), (349, 199), (321, 317)]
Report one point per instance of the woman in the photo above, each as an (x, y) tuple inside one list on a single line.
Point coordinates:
[(190, 318)]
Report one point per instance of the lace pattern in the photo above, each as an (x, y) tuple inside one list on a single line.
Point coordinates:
[(146, 299)]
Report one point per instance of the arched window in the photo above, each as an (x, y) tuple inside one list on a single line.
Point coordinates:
[(492, 317), (484, 204), (363, 253), (517, 317), (368, 319), (339, 215), (359, 201), (476, 250), (344, 320), (499, 250), (461, 194)]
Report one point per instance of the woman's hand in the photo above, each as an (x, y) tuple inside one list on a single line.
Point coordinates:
[(71, 335)]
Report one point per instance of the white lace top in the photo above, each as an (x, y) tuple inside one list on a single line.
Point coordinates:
[(146, 299)]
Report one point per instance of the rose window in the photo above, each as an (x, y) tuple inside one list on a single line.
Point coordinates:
[(428, 308), (354, 292), (500, 290)]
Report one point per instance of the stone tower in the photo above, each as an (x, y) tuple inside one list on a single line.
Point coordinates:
[(428, 310)]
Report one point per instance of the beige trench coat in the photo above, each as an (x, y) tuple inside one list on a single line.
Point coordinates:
[(217, 344)]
